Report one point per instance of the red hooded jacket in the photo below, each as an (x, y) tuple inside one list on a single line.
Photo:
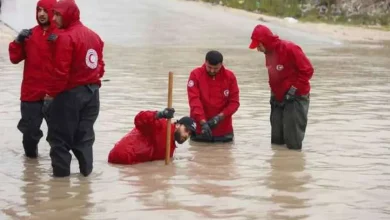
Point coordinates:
[(78, 58), (145, 142), (209, 96), (36, 52), (286, 63)]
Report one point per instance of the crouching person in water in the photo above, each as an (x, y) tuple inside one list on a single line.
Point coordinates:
[(147, 141)]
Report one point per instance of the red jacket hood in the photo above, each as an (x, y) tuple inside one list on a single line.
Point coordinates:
[(69, 11), (48, 6), (264, 35)]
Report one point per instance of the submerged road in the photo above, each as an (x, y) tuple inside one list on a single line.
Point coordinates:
[(342, 172)]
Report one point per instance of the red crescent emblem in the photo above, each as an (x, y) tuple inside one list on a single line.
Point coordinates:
[(89, 58)]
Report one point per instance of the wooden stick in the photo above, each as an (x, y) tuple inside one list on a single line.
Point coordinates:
[(168, 144)]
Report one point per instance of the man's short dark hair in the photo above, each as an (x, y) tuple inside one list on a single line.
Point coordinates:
[(214, 57)]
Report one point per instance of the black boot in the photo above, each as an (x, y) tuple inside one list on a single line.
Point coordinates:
[(30, 149)]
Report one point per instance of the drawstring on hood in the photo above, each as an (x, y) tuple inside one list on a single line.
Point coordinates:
[(48, 6), (69, 11), (262, 34)]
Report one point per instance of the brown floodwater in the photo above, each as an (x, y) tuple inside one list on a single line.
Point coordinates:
[(343, 171)]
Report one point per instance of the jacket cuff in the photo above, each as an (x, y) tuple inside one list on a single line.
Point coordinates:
[(225, 114)]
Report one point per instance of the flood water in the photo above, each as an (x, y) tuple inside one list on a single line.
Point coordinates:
[(343, 171)]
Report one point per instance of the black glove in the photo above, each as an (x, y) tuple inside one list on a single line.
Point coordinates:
[(214, 121), (23, 35), (206, 131), (52, 37), (166, 113), (290, 95)]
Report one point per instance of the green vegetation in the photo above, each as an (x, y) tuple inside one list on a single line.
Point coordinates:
[(271, 7), (364, 19), (298, 9)]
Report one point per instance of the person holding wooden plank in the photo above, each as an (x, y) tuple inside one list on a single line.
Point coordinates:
[(147, 140)]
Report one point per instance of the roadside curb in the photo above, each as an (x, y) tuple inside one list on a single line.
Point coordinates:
[(6, 31), (8, 26)]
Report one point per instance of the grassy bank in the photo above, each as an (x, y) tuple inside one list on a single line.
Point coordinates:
[(297, 9)]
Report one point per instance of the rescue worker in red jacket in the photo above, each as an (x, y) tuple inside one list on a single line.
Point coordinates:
[(289, 72), (213, 97), (32, 47), (78, 68), (147, 141)]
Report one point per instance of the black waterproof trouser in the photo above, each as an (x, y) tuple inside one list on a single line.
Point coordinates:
[(72, 117), (30, 126), (289, 121), (202, 138)]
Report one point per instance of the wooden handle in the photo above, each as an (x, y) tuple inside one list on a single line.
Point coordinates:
[(168, 144)]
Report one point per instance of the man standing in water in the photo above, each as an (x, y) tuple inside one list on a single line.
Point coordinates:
[(289, 72), (213, 97), (78, 67), (147, 141), (31, 45)]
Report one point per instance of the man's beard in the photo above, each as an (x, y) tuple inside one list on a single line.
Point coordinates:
[(211, 74), (178, 137), (47, 23)]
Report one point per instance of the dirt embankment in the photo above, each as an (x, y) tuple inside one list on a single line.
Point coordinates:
[(354, 12), (346, 33)]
